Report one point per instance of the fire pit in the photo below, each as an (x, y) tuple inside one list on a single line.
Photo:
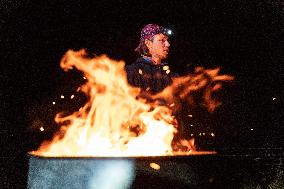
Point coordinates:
[(115, 172), (192, 171)]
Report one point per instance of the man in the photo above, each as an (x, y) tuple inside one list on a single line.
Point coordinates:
[(150, 72)]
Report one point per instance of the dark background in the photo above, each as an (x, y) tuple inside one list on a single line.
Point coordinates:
[(244, 38)]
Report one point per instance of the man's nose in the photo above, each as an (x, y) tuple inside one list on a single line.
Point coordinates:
[(167, 44)]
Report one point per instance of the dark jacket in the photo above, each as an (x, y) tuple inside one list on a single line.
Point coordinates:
[(148, 76)]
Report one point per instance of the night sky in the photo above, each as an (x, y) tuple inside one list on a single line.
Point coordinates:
[(244, 38)]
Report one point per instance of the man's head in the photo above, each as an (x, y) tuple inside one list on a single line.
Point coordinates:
[(154, 42)]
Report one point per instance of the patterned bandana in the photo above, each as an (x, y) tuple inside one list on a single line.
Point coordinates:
[(149, 31)]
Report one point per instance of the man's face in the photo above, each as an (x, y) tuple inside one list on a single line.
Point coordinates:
[(159, 46)]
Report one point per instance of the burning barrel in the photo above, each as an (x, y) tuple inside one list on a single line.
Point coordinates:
[(119, 172), (201, 170)]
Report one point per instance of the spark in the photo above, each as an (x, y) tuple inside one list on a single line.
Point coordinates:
[(168, 71), (84, 78), (41, 129), (273, 98), (53, 102), (251, 129), (155, 166), (140, 71), (72, 96), (62, 96)]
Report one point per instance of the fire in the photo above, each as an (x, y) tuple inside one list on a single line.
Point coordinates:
[(117, 120)]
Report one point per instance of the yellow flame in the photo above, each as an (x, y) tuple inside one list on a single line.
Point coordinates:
[(114, 122)]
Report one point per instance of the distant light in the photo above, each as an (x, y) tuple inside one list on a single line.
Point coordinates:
[(273, 98), (72, 96), (61, 96), (168, 71), (84, 77), (212, 134), (140, 71), (172, 105), (41, 129), (53, 102), (78, 89), (251, 129), (191, 134), (189, 115), (155, 166), (203, 133), (191, 125)]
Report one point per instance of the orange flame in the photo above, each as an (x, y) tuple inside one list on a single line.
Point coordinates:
[(114, 122)]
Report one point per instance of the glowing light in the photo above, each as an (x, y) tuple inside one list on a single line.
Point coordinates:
[(203, 133), (72, 96), (140, 71), (211, 179), (170, 32), (62, 96), (191, 125), (41, 129), (84, 78), (53, 102), (155, 166), (251, 129), (189, 115), (168, 71), (273, 98), (191, 134), (165, 67), (212, 134)]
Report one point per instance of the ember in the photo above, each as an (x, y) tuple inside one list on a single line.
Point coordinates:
[(117, 120)]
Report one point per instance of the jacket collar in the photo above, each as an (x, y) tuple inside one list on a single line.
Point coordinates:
[(149, 61)]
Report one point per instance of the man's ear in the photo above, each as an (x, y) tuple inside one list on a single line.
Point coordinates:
[(148, 43)]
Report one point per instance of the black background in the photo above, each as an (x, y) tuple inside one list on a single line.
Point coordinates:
[(244, 38)]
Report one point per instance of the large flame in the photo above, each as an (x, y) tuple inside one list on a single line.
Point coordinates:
[(116, 121)]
